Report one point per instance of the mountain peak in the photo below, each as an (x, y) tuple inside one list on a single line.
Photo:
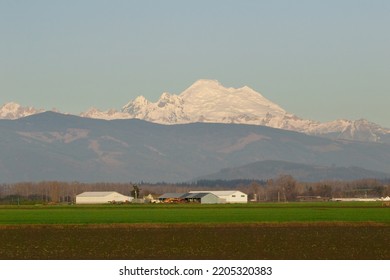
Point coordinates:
[(206, 83), (137, 102), (141, 100), (210, 86), (11, 106), (206, 101), (13, 110)]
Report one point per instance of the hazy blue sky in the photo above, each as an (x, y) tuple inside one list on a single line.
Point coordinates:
[(321, 60)]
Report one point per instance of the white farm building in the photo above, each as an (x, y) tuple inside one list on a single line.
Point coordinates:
[(228, 196), (206, 197), (101, 197)]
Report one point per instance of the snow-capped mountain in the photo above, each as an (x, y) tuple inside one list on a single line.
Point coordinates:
[(206, 101), (359, 130), (14, 110), (209, 101), (111, 114)]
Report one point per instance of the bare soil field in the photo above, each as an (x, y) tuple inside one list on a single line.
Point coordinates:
[(278, 241)]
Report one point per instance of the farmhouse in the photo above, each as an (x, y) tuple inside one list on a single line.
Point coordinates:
[(101, 197), (228, 196)]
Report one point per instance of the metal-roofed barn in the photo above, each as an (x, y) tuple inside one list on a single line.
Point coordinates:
[(203, 198), (228, 196), (171, 197), (101, 197)]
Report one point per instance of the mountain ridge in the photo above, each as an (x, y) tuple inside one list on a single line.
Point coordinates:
[(271, 169), (13, 110), (209, 101), (52, 146)]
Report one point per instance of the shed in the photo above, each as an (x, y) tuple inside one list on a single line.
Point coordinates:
[(101, 197), (233, 196), (203, 198), (171, 197)]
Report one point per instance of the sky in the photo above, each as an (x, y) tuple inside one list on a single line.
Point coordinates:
[(320, 60)]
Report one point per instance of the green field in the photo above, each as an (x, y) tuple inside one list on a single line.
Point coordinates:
[(187, 231), (187, 213)]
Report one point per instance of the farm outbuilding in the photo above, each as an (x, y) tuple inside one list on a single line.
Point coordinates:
[(228, 196), (101, 197), (203, 198), (171, 197), (206, 197)]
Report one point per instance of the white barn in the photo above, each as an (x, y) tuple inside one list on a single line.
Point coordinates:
[(101, 197), (228, 196)]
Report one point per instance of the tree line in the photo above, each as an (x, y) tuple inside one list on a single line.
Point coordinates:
[(282, 188)]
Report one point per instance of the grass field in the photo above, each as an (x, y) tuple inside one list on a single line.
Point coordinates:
[(189, 213), (252, 231)]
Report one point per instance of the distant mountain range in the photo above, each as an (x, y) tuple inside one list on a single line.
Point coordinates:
[(208, 101), (13, 111), (54, 146), (271, 169)]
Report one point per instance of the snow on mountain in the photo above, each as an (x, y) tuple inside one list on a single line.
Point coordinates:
[(111, 114), (169, 109), (209, 101), (360, 130), (14, 110)]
